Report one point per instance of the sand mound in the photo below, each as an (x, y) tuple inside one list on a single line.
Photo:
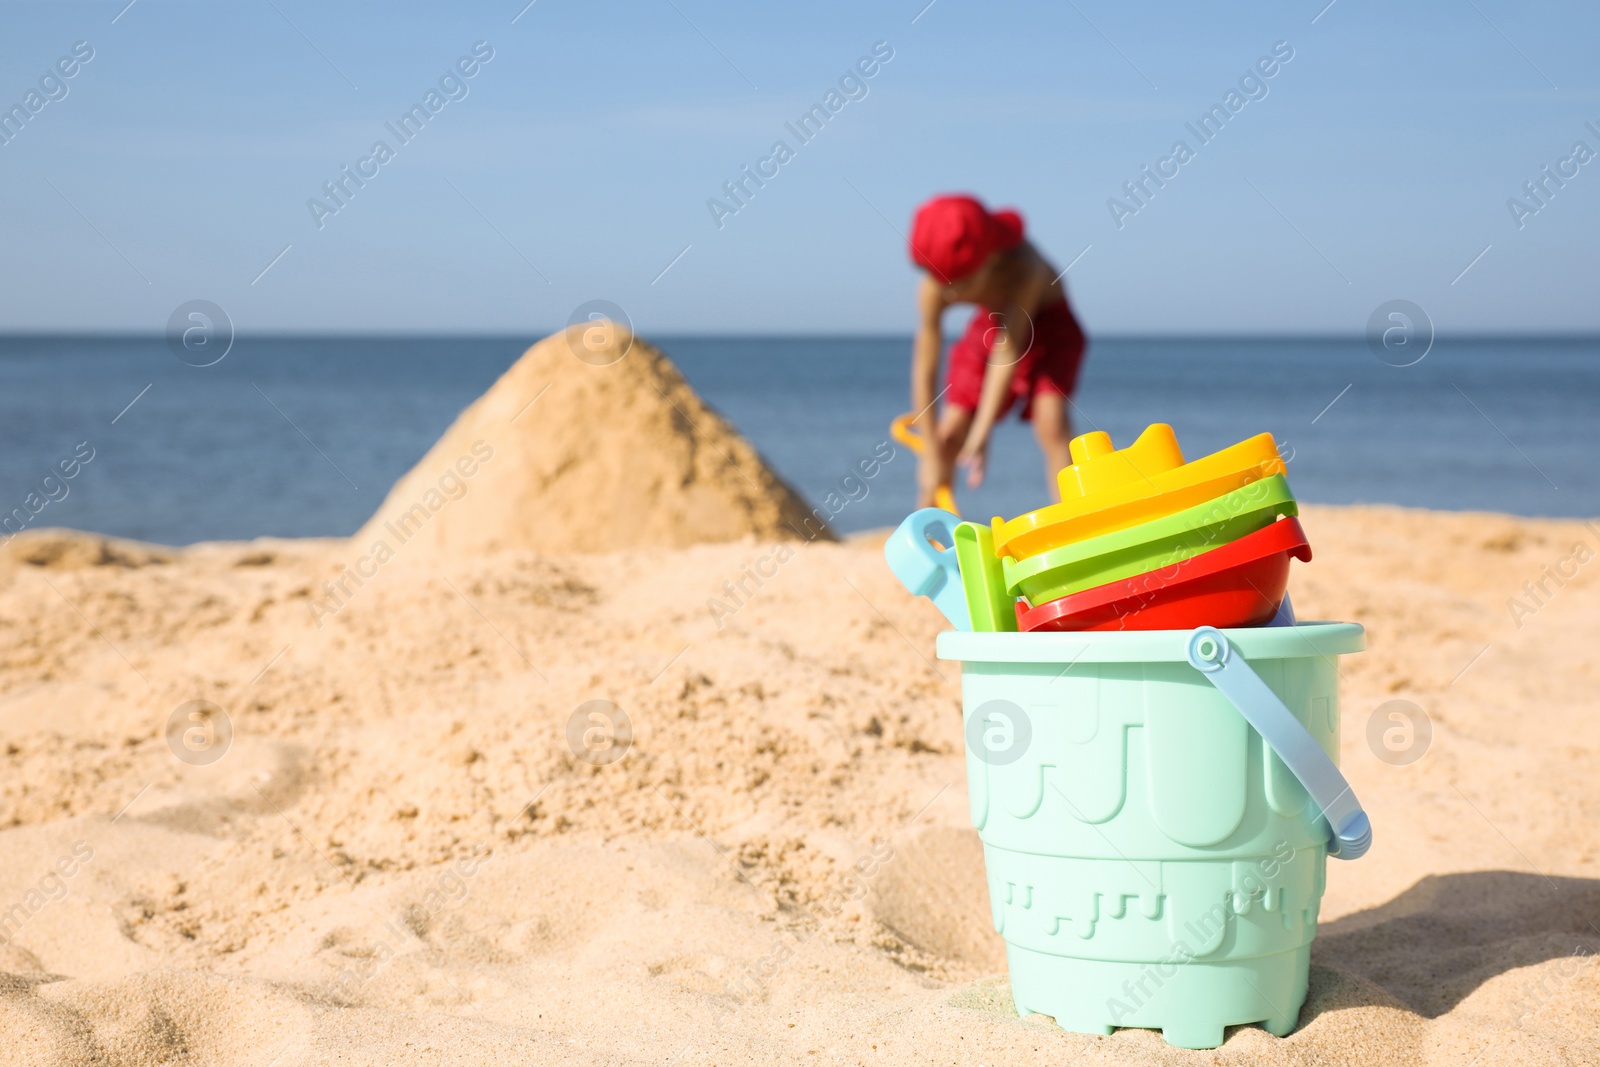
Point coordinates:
[(588, 449)]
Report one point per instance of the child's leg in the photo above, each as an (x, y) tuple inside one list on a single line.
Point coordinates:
[(1052, 427), (937, 465), (954, 422)]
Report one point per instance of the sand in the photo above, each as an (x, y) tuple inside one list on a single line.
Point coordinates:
[(399, 859)]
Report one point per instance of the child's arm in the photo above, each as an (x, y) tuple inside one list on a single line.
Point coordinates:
[(933, 467), (925, 352)]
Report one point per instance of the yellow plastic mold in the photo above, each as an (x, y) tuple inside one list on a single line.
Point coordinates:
[(1108, 489)]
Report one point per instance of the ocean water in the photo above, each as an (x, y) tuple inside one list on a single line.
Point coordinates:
[(304, 436)]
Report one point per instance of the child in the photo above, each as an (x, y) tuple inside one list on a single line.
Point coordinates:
[(1023, 343)]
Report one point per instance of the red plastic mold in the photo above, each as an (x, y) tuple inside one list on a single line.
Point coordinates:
[(1239, 584)]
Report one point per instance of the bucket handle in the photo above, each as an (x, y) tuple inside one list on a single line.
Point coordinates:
[(1350, 832)]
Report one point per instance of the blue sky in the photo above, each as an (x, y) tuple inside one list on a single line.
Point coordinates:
[(579, 164)]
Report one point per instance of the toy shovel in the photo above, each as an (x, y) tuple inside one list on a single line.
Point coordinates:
[(929, 569)]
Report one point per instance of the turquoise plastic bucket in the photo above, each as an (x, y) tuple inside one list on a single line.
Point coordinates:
[(1151, 861)]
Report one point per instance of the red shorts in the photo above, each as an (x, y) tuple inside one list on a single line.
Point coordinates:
[(1050, 365)]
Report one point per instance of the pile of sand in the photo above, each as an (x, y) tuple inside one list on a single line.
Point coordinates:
[(592, 441)]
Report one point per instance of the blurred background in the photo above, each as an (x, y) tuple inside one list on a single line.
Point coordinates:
[(1385, 256)]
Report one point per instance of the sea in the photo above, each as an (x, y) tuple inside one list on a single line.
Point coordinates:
[(303, 436)]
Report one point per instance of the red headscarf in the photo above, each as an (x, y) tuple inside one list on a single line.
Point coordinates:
[(951, 236)]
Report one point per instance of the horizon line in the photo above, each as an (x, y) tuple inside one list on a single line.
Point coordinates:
[(420, 335)]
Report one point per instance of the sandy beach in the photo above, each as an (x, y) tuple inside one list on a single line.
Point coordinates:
[(400, 858)]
